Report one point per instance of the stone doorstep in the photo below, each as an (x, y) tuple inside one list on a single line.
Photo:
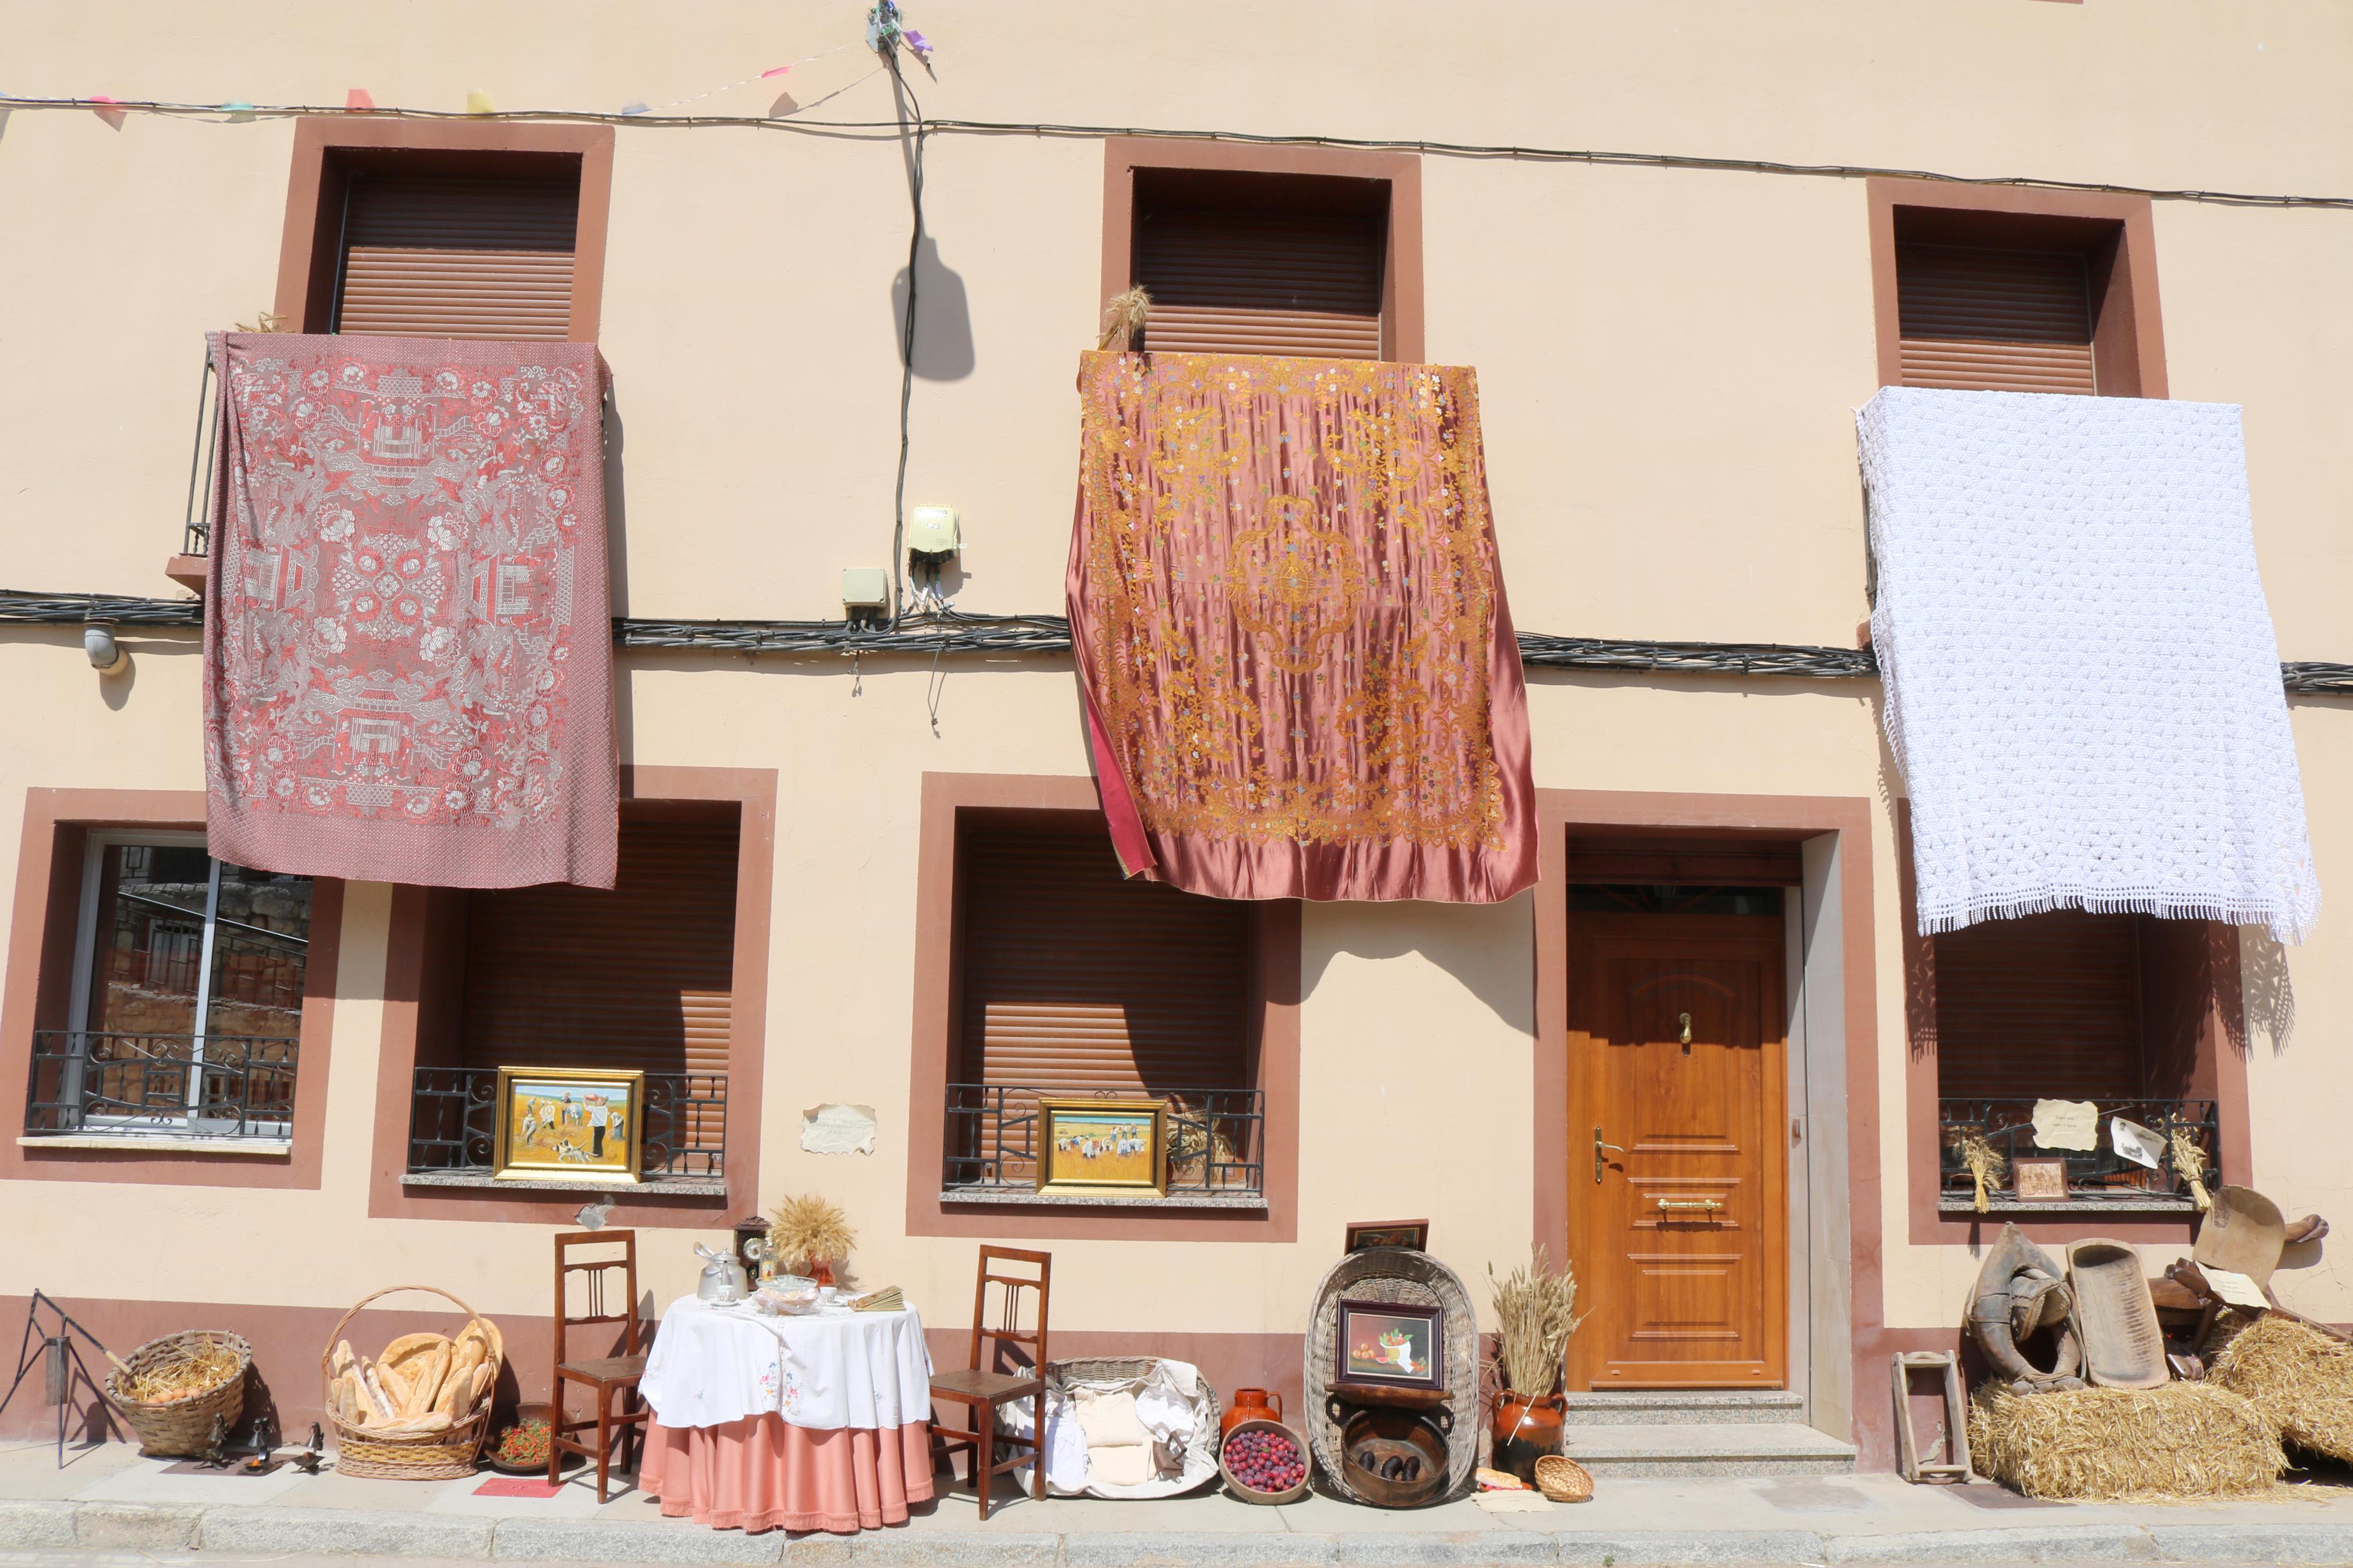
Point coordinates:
[(262, 1530), (1732, 1448), (1670, 1407)]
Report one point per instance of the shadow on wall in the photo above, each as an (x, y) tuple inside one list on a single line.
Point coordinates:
[(1489, 949), (2269, 989), (943, 319)]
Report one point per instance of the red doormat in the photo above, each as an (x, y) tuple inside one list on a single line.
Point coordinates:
[(516, 1486)]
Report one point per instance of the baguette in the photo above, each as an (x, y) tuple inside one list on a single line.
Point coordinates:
[(413, 1425), (343, 1361), (387, 1407), (455, 1400), (485, 1377)]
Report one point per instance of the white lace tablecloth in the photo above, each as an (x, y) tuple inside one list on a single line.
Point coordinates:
[(711, 1365)]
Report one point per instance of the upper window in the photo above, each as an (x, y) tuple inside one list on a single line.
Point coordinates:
[(1073, 980), (481, 255), (1240, 262), (186, 1006), (1985, 320)]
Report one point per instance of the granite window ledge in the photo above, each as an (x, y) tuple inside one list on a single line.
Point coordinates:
[(663, 1187), (1023, 1197)]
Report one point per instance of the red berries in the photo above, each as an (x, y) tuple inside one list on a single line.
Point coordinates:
[(1264, 1461)]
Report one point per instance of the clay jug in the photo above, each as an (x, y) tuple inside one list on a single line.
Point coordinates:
[(1249, 1404), (1526, 1427)]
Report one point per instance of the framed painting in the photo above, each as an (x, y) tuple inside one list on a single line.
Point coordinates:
[(1098, 1146), (1413, 1233), (2038, 1181), (574, 1124), (1395, 1343)]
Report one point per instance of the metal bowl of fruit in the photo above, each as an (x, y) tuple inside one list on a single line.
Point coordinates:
[(519, 1448), (1264, 1461)]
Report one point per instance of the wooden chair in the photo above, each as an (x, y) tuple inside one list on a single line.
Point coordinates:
[(608, 1376), (1016, 1370)]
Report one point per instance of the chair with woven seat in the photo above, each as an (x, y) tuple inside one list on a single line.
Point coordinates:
[(609, 1375), (1015, 1369)]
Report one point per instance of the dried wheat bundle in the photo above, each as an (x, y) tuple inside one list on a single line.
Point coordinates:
[(1536, 1311), (1986, 1162), (2189, 1163), (808, 1231), (196, 1366), (2183, 1440), (2298, 1377), (1123, 318)]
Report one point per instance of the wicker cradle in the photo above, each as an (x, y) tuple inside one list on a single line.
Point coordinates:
[(183, 1427), (1200, 1458), (406, 1457), (1395, 1274)]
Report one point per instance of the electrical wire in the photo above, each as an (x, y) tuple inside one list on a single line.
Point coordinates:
[(906, 340), (879, 127)]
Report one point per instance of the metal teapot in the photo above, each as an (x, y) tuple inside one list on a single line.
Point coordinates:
[(723, 1283)]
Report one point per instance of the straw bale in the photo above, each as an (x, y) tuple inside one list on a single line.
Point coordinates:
[(2298, 1377), (2184, 1440)]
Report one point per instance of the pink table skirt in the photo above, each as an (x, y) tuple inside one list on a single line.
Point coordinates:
[(760, 1473)]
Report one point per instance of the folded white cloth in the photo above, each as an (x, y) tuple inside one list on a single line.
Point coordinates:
[(2083, 685), (1121, 1464), (1066, 1445), (715, 1365), (1109, 1419)]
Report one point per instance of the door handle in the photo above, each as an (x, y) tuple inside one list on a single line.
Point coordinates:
[(1601, 1161), (1702, 1205), (1686, 1034)]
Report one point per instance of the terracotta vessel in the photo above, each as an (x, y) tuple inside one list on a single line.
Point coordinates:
[(1526, 1427), (821, 1272), (1249, 1404)]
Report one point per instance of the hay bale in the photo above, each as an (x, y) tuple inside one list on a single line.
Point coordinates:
[(2298, 1377), (2184, 1440)]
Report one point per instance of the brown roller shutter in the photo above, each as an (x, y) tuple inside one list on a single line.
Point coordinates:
[(2045, 1004), (636, 977), (1074, 978), (1986, 320), (456, 257), (1241, 281)]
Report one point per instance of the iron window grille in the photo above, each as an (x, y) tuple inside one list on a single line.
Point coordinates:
[(2092, 1175), (1216, 1136), (189, 1086), (454, 1117)]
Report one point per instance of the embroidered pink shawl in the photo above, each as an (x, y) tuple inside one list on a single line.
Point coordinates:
[(1300, 674), (408, 660)]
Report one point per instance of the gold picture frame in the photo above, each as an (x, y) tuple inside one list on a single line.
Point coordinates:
[(570, 1124), (1093, 1147)]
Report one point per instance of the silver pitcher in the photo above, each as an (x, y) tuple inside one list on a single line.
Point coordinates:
[(723, 1283)]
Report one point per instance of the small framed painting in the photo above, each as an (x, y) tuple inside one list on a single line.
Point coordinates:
[(1392, 1343), (1099, 1146), (2038, 1181), (572, 1124), (1406, 1233)]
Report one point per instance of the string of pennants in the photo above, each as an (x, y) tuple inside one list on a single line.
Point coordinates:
[(887, 34)]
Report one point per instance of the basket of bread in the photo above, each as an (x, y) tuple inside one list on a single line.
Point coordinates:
[(418, 1412)]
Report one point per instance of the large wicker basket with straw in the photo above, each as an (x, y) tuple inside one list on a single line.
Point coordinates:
[(440, 1455), (182, 1425)]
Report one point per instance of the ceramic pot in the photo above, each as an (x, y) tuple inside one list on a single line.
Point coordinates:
[(1526, 1427), (821, 1272), (1250, 1405)]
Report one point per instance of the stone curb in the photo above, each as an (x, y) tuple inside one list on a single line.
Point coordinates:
[(590, 1540), (2252, 1542), (37, 1524), (1203, 1549), (341, 1532), (1677, 1548), (146, 1527)]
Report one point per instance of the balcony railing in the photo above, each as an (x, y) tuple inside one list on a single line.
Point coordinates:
[(1216, 1136), (196, 531), (97, 1081), (454, 1117), (2093, 1175)]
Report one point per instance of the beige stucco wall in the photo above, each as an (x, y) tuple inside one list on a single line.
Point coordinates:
[(1668, 361)]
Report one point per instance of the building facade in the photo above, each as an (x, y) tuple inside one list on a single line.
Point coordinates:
[(1679, 244)]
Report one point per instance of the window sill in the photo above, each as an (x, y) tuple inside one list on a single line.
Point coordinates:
[(660, 1187), (2154, 1203), (1021, 1197), (158, 1143)]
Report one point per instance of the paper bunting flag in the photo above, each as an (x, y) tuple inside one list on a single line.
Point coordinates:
[(634, 107), (99, 106), (778, 71), (479, 103), (357, 98)]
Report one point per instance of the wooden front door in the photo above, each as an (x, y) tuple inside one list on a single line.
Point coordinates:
[(1678, 1171)]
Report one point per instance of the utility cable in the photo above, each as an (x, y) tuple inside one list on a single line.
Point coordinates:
[(906, 338)]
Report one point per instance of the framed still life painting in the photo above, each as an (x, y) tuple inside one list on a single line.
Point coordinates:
[(569, 1123), (1097, 1146), (1394, 1344)]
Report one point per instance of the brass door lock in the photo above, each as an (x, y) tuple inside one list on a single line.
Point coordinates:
[(1601, 1161)]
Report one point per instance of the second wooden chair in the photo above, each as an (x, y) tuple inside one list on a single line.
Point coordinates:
[(1014, 1370), (609, 1375)]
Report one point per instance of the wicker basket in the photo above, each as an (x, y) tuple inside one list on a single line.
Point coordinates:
[(1563, 1479), (1395, 1274), (419, 1457), (183, 1427), (1200, 1457)]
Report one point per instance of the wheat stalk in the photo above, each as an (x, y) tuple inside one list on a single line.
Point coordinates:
[(1536, 1312), (1123, 317), (809, 1230)]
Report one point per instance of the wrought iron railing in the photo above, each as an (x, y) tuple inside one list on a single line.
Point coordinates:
[(196, 531), (89, 1081), (2092, 1173), (454, 1114), (1216, 1136)]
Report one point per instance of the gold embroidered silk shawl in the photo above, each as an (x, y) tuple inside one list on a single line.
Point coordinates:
[(1300, 674)]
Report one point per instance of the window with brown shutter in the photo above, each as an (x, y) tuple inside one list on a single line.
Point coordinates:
[(1240, 262), (638, 976), (457, 255), (1984, 320)]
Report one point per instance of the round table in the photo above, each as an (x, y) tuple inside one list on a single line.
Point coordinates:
[(820, 1422)]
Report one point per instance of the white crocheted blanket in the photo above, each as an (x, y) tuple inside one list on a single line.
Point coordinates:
[(2082, 682)]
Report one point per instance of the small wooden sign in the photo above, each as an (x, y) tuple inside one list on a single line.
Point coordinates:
[(2038, 1181)]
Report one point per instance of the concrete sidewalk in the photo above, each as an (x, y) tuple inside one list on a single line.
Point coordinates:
[(110, 1499)]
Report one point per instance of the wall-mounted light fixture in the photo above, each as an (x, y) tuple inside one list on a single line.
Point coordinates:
[(106, 656)]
